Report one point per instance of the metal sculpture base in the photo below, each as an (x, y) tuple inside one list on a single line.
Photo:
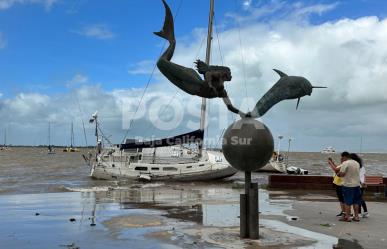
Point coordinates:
[(249, 225)]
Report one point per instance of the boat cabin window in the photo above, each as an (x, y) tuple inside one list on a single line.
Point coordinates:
[(170, 169), (141, 168), (189, 167), (201, 165), (155, 168), (139, 157)]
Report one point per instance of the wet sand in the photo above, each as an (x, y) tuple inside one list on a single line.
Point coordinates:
[(178, 216)]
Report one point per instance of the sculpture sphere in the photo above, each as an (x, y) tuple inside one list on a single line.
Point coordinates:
[(248, 144)]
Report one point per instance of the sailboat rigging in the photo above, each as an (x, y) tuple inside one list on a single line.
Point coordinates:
[(50, 149), (167, 158), (71, 148), (4, 147)]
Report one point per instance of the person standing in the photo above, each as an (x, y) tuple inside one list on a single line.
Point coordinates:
[(363, 185), (338, 184), (350, 174)]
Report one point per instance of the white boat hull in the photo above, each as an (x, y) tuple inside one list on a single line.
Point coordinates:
[(208, 168), (274, 166)]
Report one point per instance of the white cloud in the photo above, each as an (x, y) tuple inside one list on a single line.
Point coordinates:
[(314, 9), (142, 67), (78, 79), (275, 10), (247, 4), (6, 4), (98, 31), (3, 42)]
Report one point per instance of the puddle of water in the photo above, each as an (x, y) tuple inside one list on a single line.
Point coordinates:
[(322, 241), (21, 228)]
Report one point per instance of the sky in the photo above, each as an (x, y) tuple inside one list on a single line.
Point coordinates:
[(60, 61)]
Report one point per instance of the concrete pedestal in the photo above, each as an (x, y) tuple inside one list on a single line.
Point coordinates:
[(249, 225)]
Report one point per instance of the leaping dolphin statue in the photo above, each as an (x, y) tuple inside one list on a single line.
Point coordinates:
[(287, 87), (187, 79), (212, 86)]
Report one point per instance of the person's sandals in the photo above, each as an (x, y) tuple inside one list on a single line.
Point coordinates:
[(357, 219), (340, 214), (344, 218)]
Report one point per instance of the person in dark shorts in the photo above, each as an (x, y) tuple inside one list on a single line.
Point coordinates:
[(350, 174), (363, 186), (338, 184)]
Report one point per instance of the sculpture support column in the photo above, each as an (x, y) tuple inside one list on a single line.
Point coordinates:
[(243, 216), (249, 209), (253, 211)]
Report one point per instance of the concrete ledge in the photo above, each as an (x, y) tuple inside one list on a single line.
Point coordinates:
[(315, 182)]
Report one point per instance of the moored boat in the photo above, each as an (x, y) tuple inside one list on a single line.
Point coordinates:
[(328, 150)]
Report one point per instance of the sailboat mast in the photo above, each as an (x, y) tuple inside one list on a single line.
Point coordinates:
[(361, 144), (208, 58), (72, 135), (49, 134), (5, 137)]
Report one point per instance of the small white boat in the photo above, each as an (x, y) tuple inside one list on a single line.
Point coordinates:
[(278, 165), (328, 150), (274, 166), (296, 171)]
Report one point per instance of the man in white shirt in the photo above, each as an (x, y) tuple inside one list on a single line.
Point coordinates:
[(349, 172)]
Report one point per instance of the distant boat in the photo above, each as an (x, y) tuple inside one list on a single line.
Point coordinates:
[(4, 147), (50, 148), (328, 150), (71, 148)]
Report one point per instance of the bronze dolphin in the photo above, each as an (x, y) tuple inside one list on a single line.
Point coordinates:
[(287, 87)]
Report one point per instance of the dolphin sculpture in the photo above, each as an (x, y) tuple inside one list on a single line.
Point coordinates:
[(287, 87), (187, 79), (212, 86)]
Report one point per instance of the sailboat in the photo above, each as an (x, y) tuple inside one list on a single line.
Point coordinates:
[(4, 147), (162, 159), (50, 149), (71, 148)]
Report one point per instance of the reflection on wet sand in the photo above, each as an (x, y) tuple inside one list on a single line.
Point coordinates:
[(176, 216), (210, 209)]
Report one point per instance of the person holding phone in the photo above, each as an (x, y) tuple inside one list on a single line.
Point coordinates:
[(338, 184)]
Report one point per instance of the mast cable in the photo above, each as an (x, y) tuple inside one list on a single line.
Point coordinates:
[(82, 115), (217, 37), (149, 80), (241, 51)]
